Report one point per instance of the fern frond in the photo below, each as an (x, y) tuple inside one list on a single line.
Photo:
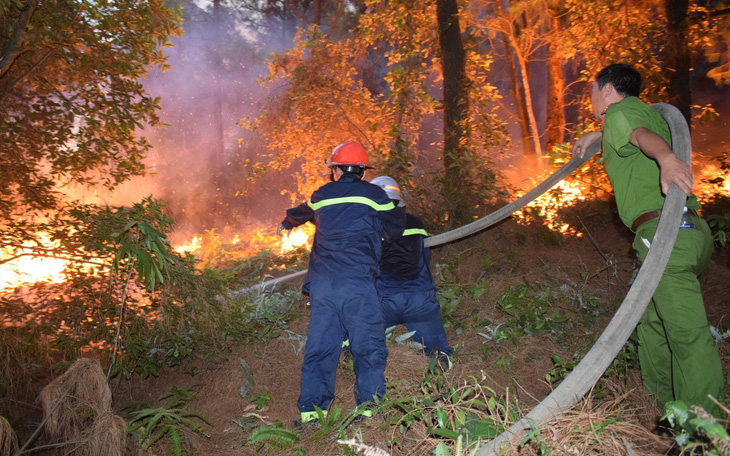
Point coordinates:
[(276, 435)]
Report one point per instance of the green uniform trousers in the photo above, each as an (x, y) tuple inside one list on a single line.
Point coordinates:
[(678, 355)]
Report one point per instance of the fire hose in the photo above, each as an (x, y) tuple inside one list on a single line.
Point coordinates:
[(604, 351)]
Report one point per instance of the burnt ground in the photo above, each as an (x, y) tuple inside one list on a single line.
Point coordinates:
[(597, 267)]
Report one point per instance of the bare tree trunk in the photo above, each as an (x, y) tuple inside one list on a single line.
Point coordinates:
[(677, 57), (529, 108), (519, 95), (555, 128), (217, 111), (13, 47), (456, 106)]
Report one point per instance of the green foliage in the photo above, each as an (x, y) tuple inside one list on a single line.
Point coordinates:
[(277, 436), (100, 309), (698, 431), (462, 415), (262, 399), (720, 226), (150, 425), (535, 436), (559, 371), (527, 314), (625, 362), (71, 96)]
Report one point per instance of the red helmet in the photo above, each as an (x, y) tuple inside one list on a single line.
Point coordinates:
[(349, 153)]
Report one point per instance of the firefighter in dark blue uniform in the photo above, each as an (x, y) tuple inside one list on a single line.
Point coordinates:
[(405, 285), (351, 218)]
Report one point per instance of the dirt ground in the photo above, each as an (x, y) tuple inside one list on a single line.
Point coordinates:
[(598, 265)]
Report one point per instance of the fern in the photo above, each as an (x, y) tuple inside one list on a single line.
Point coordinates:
[(277, 435), (176, 441), (156, 423)]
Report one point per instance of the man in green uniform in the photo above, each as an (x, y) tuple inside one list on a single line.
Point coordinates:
[(678, 355)]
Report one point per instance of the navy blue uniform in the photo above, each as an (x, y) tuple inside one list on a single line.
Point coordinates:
[(406, 289), (351, 218)]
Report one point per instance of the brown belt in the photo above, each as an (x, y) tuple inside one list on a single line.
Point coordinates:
[(643, 218), (651, 215)]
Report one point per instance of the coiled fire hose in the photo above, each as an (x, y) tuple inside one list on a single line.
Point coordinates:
[(603, 352)]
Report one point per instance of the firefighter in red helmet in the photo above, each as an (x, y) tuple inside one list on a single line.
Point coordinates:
[(352, 217)]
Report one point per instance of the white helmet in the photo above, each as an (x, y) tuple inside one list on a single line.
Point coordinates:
[(391, 187)]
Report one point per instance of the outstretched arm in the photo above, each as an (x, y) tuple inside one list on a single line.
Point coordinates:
[(671, 168), (581, 145)]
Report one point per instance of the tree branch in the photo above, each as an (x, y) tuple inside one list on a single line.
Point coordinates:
[(13, 50)]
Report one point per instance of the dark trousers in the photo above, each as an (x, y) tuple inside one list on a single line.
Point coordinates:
[(342, 306), (419, 311)]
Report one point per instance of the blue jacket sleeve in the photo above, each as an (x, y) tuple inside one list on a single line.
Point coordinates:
[(298, 216)]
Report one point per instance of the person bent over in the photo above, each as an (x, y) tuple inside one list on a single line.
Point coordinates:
[(405, 285)]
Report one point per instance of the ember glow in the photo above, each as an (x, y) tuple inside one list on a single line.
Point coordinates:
[(704, 189)]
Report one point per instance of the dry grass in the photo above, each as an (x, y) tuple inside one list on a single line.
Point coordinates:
[(607, 428), (8, 439), (78, 407)]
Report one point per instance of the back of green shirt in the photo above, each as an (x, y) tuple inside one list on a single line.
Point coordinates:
[(633, 175)]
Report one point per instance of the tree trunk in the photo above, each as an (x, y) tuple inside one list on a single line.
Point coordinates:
[(677, 57), (217, 110), (555, 128), (456, 106), (518, 94), (527, 99)]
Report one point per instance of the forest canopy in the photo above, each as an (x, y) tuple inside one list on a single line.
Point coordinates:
[(72, 100)]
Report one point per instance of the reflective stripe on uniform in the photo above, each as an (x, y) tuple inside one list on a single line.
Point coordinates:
[(414, 231), (350, 200)]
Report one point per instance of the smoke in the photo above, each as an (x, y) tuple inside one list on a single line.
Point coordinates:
[(201, 158)]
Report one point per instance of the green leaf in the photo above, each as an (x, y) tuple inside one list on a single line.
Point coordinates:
[(441, 450), (445, 433)]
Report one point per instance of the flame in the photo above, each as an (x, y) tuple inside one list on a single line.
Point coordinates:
[(190, 247), (546, 206), (214, 249), (710, 181), (706, 190), (298, 237), (30, 268)]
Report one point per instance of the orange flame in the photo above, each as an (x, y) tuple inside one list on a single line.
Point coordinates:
[(190, 247), (30, 268), (705, 190), (298, 237), (546, 206)]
